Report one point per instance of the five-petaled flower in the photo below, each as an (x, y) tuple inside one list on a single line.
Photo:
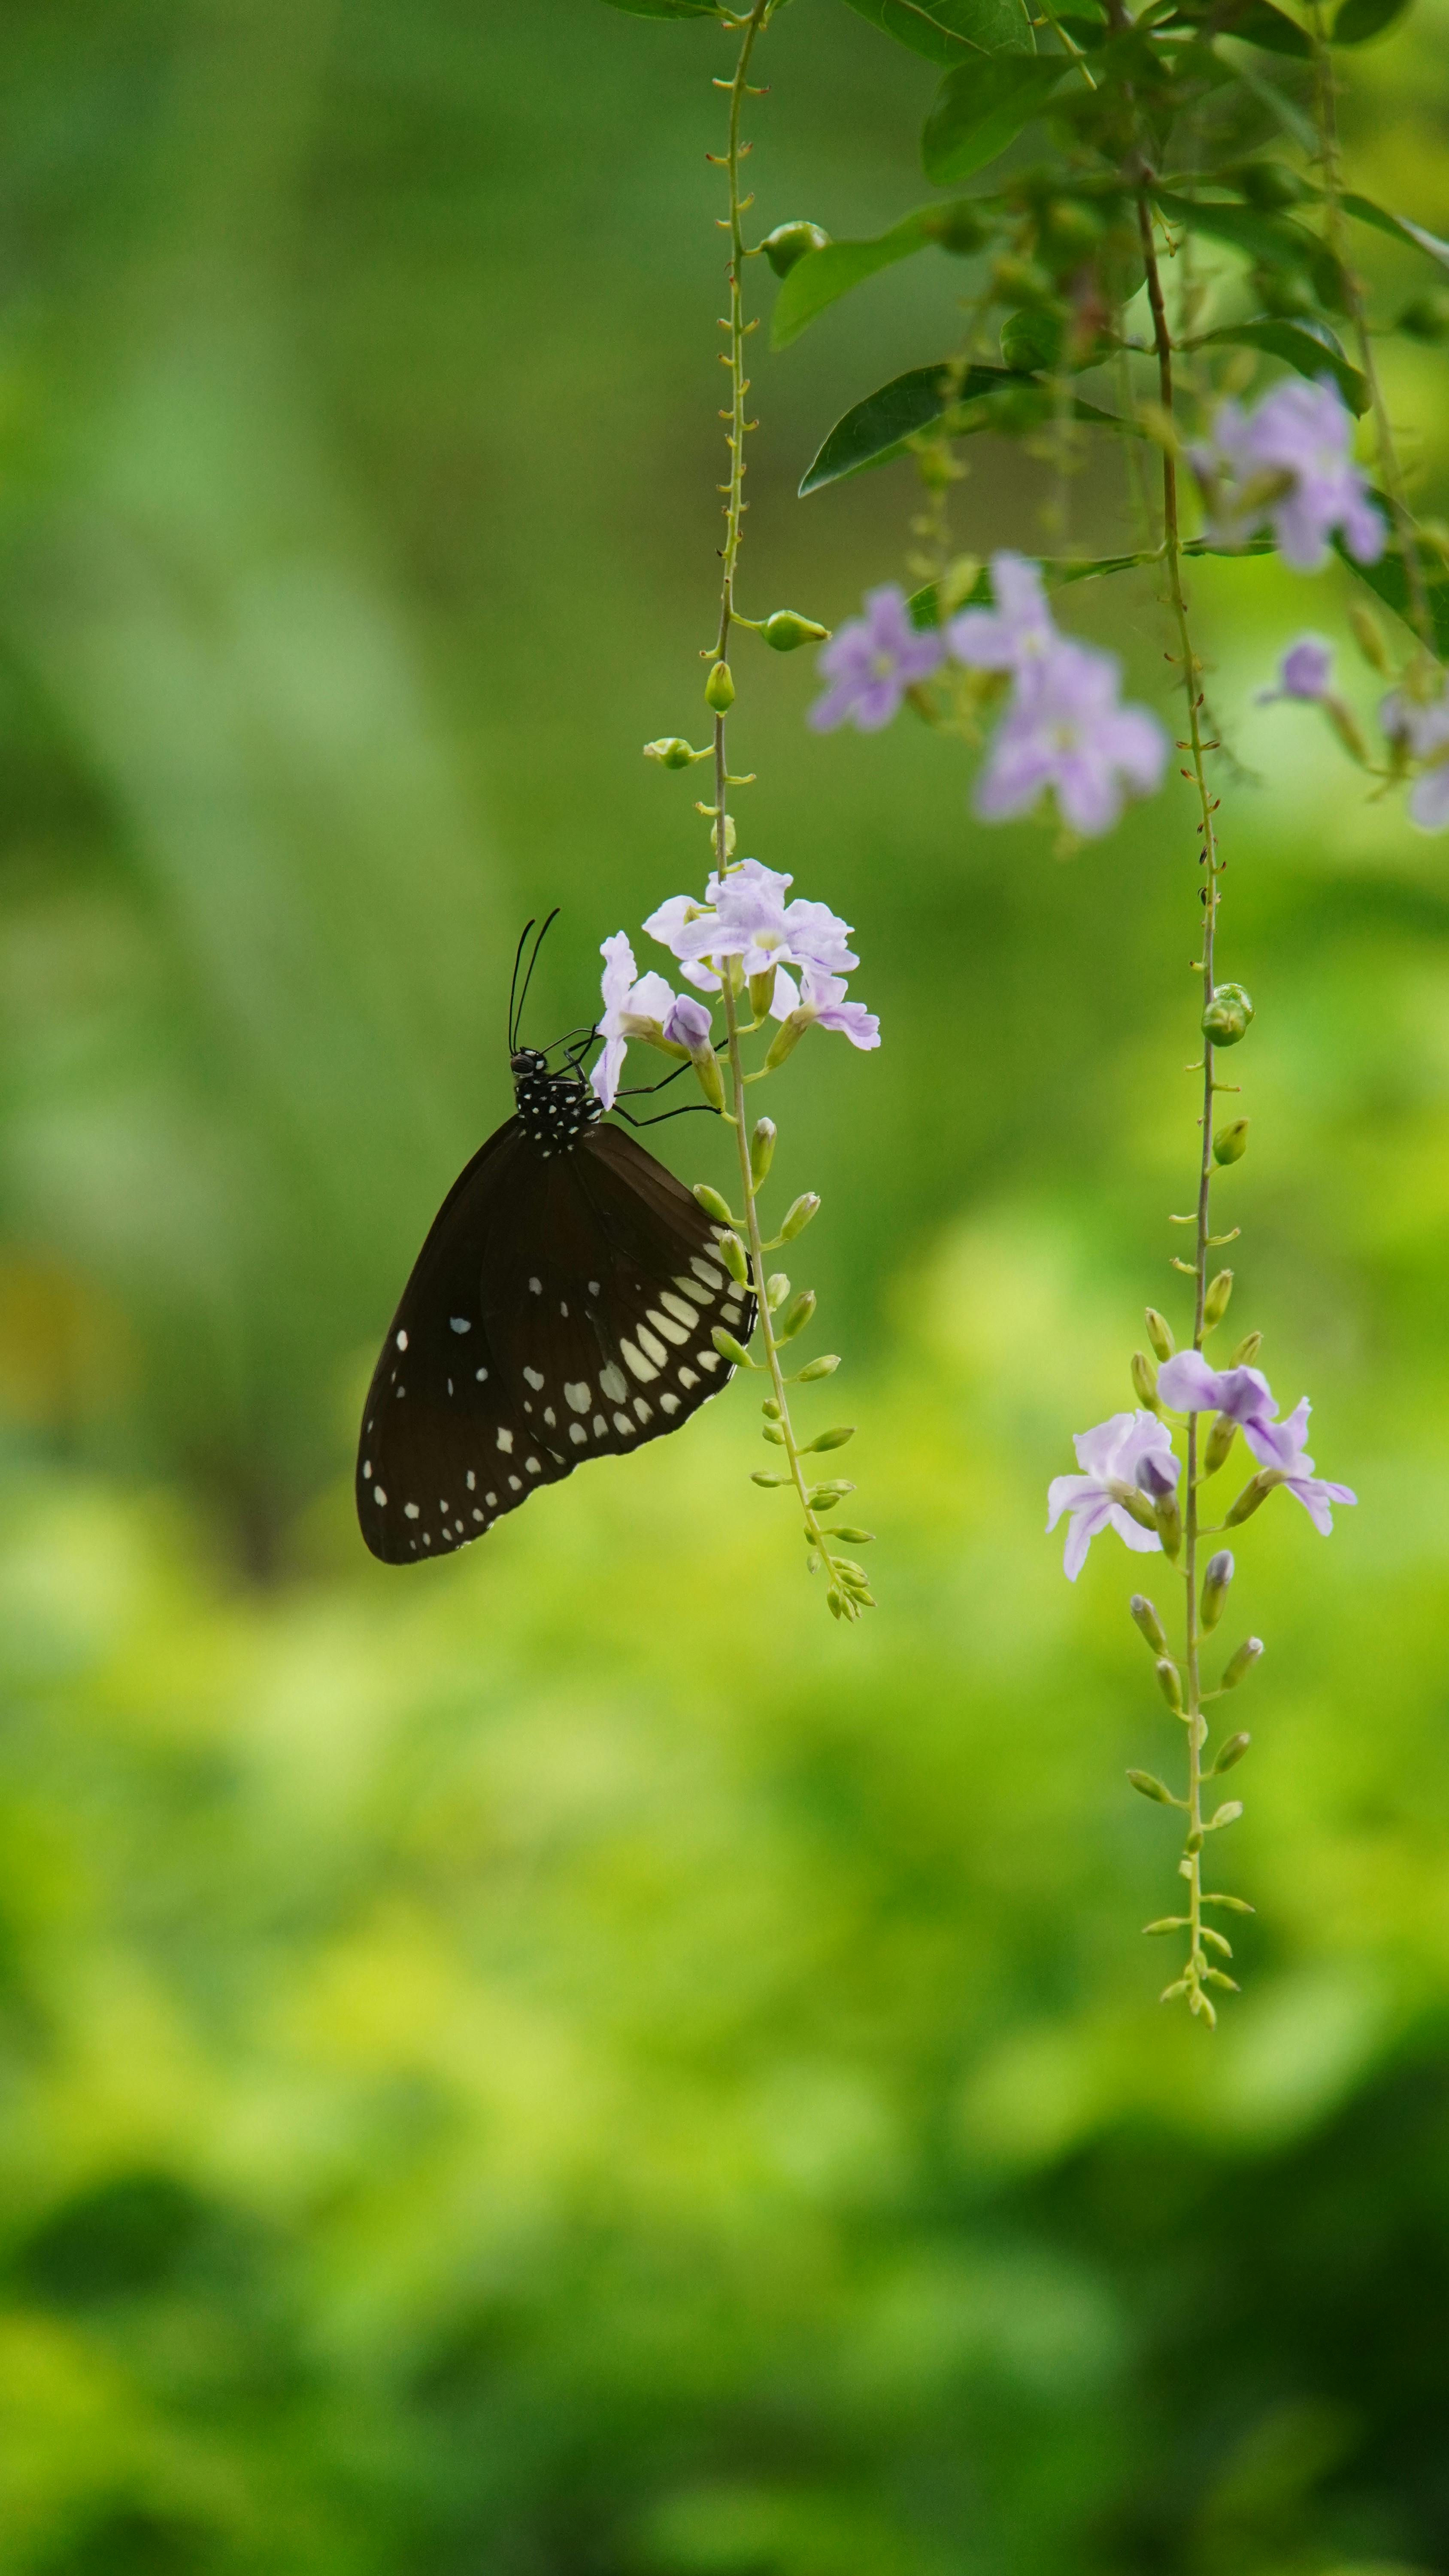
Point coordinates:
[(1288, 466), (1190, 1384), (635, 1006), (1014, 635), (872, 661), (1111, 1457), (1066, 730), (745, 915)]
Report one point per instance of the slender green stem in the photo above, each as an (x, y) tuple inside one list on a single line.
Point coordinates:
[(1196, 747), (739, 426)]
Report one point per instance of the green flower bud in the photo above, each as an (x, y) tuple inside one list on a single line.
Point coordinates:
[(1227, 1814), (1168, 1923), (777, 1289), (785, 631), (709, 1077), (719, 689), (1144, 1382), (1215, 1583), (672, 753), (1147, 1786), (799, 1214), (1146, 1618), (785, 1040), (1169, 1682), (1426, 316), (1159, 1334), (772, 1431), (1215, 1304), (823, 1498), (1032, 340), (770, 1409), (957, 227), (1247, 1351), (1368, 635), (835, 1439), (1167, 1521), (1230, 1144), (1136, 1506), (1022, 281), (823, 1367), (729, 1349), (1254, 1493), (762, 1149), (1227, 1016), (1219, 1443), (762, 993), (732, 1254), (796, 1317), (1234, 1904), (712, 1204), (852, 1537), (759, 1476), (790, 242), (1231, 1753), (1242, 1662)]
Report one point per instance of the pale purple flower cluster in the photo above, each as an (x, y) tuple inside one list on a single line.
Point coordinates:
[(1288, 466), (744, 915), (1065, 731), (1132, 1455), (1305, 672)]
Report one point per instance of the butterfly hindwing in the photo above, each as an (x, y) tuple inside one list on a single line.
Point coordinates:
[(604, 1306), (445, 1447), (561, 1308)]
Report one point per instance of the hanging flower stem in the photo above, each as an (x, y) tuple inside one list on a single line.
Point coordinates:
[(1197, 1970)]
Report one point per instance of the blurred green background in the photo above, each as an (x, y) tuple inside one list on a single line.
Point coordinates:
[(562, 2063)]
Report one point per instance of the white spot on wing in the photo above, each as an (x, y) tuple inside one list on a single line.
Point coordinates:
[(532, 1465), (537, 1287), (692, 1289), (600, 1426), (515, 1484), (613, 1382), (576, 1394), (622, 1422), (550, 1417), (644, 1411), (472, 1482), (702, 1270), (378, 1496), (535, 1378), (480, 1375), (638, 1366), (505, 1439), (682, 1313), (708, 1359), (411, 1510), (593, 1287), (665, 1324), (577, 1434), (402, 1341), (670, 1403), (649, 1342), (687, 1377), (460, 1323)]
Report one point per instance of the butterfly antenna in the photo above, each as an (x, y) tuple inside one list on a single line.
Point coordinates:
[(513, 984), (533, 961)]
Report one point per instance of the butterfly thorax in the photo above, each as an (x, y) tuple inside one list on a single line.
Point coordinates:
[(554, 1110)]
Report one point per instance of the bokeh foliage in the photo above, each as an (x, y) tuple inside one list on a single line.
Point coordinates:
[(557, 2066)]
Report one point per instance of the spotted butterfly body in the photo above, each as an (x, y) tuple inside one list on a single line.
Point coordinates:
[(562, 1308)]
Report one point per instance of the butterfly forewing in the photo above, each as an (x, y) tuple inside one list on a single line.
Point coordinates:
[(562, 1308)]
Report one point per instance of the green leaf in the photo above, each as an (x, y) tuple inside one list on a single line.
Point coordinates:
[(1310, 347), (822, 275), (1259, 236), (1389, 582), (882, 426), (947, 31), (1398, 228), (925, 611), (1358, 20), (667, 8), (981, 107), (1259, 23)]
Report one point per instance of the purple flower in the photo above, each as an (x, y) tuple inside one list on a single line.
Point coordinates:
[(1066, 730), (1110, 1457), (635, 1006), (1304, 672), (1018, 632), (1423, 730), (688, 1024), (819, 1001), (751, 920), (872, 661), (1289, 466), (1190, 1385)]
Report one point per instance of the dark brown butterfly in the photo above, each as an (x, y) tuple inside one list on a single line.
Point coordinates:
[(562, 1308)]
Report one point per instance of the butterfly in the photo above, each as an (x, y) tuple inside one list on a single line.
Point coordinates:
[(563, 1307)]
